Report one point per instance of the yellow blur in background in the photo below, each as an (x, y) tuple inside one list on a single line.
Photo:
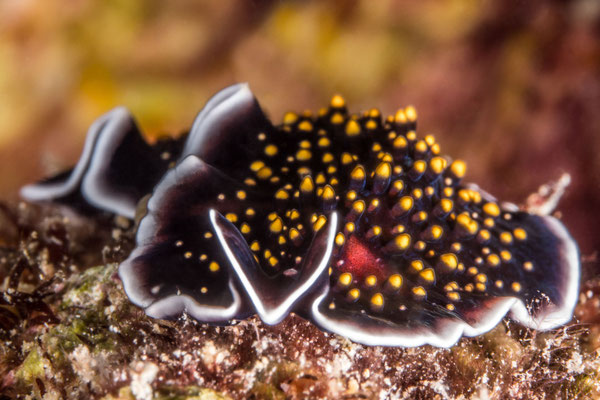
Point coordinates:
[(512, 87)]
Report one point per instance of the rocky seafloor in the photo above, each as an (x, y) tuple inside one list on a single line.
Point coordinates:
[(68, 331)]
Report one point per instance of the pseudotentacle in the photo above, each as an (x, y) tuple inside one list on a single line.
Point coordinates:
[(350, 220)]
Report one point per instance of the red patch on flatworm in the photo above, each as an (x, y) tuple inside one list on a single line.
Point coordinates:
[(359, 259)]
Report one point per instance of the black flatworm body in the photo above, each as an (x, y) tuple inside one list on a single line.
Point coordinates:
[(352, 221)]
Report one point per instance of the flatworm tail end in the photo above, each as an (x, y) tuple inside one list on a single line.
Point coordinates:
[(566, 269), (65, 183), (116, 168)]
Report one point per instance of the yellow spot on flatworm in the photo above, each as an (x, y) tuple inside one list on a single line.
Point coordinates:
[(493, 260), (402, 241), (282, 195), (346, 158), (294, 234), (436, 231), (371, 124), (506, 238), (273, 261), (520, 234), (419, 291), (383, 170), (395, 281), (484, 235), (351, 195), (337, 118), (505, 255), (417, 265), (358, 206), (328, 193), (340, 239), (271, 150), (256, 165), (446, 205), (276, 226), (250, 212), (264, 173), (352, 128), (421, 146), (406, 203), (491, 209), (354, 293), (430, 140), (305, 126), (458, 168), (428, 274), (453, 296), (350, 227), (528, 266), (419, 166), (255, 246), (345, 279), (337, 101), (358, 173), (307, 185), (371, 280), (516, 286), (321, 221), (245, 228), (289, 118), (188, 254), (231, 217), (411, 113), (241, 194), (213, 266), (303, 155), (400, 117), (320, 179), (420, 245), (449, 260), (323, 142), (437, 164), (377, 300), (400, 143), (327, 158)]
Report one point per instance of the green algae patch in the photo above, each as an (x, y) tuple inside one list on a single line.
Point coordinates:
[(34, 367)]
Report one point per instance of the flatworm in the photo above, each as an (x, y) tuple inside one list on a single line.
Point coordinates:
[(349, 220)]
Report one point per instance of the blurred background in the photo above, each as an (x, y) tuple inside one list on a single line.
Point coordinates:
[(512, 87)]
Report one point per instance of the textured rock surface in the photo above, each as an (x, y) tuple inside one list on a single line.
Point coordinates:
[(68, 331)]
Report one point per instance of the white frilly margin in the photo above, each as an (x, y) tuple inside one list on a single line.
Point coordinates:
[(49, 191), (449, 331), (216, 109), (103, 136), (174, 304), (272, 316)]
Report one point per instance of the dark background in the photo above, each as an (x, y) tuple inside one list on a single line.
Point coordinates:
[(512, 87)]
